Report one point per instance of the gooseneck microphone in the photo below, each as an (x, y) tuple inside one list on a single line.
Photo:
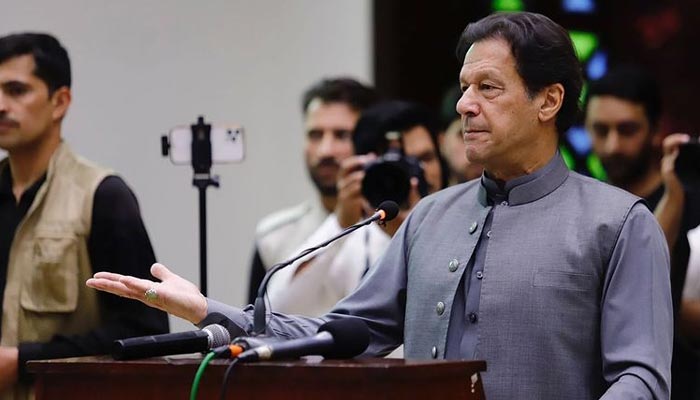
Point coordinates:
[(386, 211), (341, 338), (209, 337)]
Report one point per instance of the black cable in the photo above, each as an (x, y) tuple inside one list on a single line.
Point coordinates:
[(227, 375)]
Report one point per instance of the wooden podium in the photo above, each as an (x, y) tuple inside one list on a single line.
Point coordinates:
[(171, 378)]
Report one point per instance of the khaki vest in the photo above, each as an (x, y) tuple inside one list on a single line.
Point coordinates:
[(48, 262)]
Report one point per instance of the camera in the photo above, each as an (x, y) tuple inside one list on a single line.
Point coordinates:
[(389, 178), (688, 163)]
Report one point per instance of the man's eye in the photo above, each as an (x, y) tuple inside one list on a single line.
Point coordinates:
[(427, 158), (628, 128), (486, 87), (600, 130), (15, 90), (314, 135), (343, 135)]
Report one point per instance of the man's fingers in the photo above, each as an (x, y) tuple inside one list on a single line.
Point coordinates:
[(108, 275), (137, 285), (162, 272), (673, 141), (354, 178), (110, 286)]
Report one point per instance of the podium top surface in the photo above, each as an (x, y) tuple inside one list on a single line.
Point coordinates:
[(192, 361)]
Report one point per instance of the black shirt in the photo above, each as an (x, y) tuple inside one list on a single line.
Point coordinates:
[(685, 362), (118, 243)]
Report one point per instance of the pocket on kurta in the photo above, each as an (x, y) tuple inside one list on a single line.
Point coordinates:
[(52, 282), (564, 280)]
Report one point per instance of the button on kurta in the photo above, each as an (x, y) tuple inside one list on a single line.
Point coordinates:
[(479, 274), (472, 318), (453, 264), (433, 352), (488, 234), (472, 227), (504, 203), (440, 308)]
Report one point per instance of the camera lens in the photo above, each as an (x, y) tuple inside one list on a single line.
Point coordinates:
[(389, 178)]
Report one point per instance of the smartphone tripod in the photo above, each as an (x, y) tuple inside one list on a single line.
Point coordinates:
[(202, 179)]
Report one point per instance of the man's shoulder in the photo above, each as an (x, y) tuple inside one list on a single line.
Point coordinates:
[(459, 199), (284, 217), (595, 189), (69, 165)]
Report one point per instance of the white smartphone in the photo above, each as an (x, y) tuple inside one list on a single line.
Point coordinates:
[(227, 144)]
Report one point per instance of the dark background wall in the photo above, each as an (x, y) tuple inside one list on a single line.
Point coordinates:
[(414, 45)]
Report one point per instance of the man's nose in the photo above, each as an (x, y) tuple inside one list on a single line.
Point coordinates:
[(327, 145), (612, 142), (467, 105)]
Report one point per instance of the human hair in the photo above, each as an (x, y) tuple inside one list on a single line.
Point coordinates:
[(631, 83), (399, 116), (52, 64), (543, 53), (340, 90)]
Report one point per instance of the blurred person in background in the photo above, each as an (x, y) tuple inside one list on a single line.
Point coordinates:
[(314, 284), (452, 146), (331, 108)]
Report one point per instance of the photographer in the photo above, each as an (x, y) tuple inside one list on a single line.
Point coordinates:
[(312, 285)]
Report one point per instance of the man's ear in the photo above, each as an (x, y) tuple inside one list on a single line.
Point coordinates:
[(552, 98), (60, 99)]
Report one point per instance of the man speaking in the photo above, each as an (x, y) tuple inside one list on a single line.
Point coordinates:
[(558, 281)]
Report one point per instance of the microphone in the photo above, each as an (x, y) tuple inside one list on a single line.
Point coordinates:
[(386, 211), (341, 338), (209, 337)]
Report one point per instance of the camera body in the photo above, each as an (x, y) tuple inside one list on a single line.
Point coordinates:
[(688, 163), (389, 178)]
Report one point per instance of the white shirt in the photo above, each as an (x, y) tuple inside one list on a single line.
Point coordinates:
[(330, 274)]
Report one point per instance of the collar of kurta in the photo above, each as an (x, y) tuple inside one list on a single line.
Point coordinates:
[(527, 188)]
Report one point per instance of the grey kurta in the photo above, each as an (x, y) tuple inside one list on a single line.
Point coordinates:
[(574, 298)]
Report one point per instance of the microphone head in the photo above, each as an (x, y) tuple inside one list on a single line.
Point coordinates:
[(350, 337), (218, 335), (390, 208)]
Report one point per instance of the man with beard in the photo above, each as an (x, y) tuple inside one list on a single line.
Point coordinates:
[(331, 109), (312, 285), (622, 117)]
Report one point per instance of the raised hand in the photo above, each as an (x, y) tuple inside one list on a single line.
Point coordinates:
[(351, 203), (669, 211), (173, 294)]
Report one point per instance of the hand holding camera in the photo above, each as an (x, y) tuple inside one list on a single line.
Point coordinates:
[(351, 203)]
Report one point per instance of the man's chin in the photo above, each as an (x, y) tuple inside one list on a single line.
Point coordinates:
[(326, 189)]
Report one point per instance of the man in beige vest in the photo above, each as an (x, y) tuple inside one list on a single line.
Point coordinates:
[(62, 219)]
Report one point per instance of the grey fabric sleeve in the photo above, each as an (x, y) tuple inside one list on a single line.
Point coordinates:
[(379, 301), (636, 312)]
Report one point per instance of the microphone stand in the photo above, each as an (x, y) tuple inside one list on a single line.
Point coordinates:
[(259, 311)]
